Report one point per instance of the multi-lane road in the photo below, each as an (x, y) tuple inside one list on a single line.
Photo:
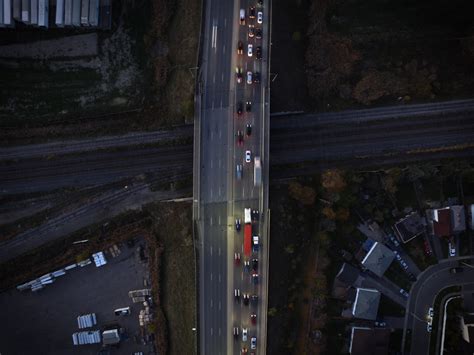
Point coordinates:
[(220, 196)]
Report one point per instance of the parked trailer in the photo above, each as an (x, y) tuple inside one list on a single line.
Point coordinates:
[(257, 172), (25, 11), (7, 12), (247, 215), (67, 12), (17, 10), (34, 12), (60, 13), (76, 12), (43, 13), (94, 13), (85, 13)]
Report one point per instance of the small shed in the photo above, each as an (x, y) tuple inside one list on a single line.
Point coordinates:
[(110, 337)]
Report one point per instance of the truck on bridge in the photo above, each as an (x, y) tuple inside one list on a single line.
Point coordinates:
[(257, 172), (247, 232)]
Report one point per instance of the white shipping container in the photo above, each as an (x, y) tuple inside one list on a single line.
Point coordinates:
[(17, 10), (7, 12), (67, 12), (43, 13), (25, 11), (94, 12), (60, 13), (34, 12), (76, 12), (1, 14), (85, 12)]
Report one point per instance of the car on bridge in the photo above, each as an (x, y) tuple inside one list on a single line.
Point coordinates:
[(242, 17), (238, 74), (246, 299), (240, 138), (452, 249), (258, 33), (237, 258), (251, 31), (240, 48), (248, 129), (250, 50), (248, 156), (253, 343), (244, 334), (237, 224), (252, 12), (238, 173), (253, 318), (236, 333), (260, 17), (249, 77), (254, 264), (248, 106), (237, 295), (258, 52)]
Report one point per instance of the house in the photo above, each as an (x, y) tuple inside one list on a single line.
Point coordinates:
[(448, 220), (347, 277), (378, 259), (366, 303), (409, 227), (369, 341)]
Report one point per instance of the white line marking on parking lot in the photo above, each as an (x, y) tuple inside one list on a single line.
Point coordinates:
[(212, 303), (219, 251), (222, 76), (214, 35), (219, 279), (220, 305), (212, 331), (242, 276), (211, 162), (211, 253), (214, 78), (219, 331), (219, 190), (220, 134), (211, 276), (225, 22), (219, 220)]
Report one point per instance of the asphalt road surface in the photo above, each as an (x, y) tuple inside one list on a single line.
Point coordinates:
[(422, 296)]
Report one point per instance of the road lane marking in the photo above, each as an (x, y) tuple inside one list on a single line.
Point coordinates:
[(213, 104), (221, 101), (212, 303), (220, 134), (211, 253), (214, 35), (219, 279), (220, 162), (219, 191), (212, 331), (225, 22), (219, 251), (242, 276), (211, 225), (211, 276), (222, 76), (243, 192), (219, 220), (223, 49), (220, 305), (211, 163), (219, 331), (214, 78), (211, 198)]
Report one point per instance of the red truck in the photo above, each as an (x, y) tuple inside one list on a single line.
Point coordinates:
[(248, 239)]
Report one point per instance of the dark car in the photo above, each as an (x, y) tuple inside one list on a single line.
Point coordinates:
[(251, 31), (237, 295), (256, 77), (255, 215), (258, 52), (252, 12), (456, 270), (248, 106), (247, 266), (253, 318), (237, 225), (258, 33), (246, 299), (248, 129), (254, 264), (255, 278), (236, 333), (238, 74), (254, 300), (240, 108), (240, 137), (412, 277), (260, 2), (240, 48)]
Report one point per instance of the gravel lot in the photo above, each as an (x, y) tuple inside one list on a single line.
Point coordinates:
[(43, 322)]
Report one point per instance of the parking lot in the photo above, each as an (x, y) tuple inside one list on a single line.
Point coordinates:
[(43, 322)]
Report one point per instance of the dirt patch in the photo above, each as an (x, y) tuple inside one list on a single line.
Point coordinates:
[(362, 53)]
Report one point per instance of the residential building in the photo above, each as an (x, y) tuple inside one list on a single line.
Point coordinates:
[(366, 303), (378, 259), (409, 227), (448, 221), (369, 341)]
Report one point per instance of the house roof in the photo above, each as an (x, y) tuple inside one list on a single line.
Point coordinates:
[(348, 274), (458, 218), (442, 222), (369, 341), (409, 227), (366, 303), (378, 259)]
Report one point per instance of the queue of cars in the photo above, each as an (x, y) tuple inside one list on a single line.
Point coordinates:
[(252, 18)]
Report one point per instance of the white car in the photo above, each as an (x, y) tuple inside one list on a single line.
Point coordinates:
[(248, 156), (452, 250), (250, 50), (244, 334), (242, 16), (249, 77), (429, 328), (430, 312), (253, 343), (259, 17)]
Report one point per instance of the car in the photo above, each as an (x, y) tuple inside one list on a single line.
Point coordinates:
[(380, 324), (244, 334), (252, 12), (253, 343), (452, 249), (397, 255), (240, 108), (404, 293), (125, 311), (237, 295), (429, 328), (246, 299), (238, 174), (260, 17), (248, 156), (248, 129), (255, 215), (240, 138), (430, 312), (236, 333), (404, 264), (456, 270), (248, 106), (255, 278), (249, 77), (237, 258), (254, 264), (244, 351), (240, 48), (253, 318), (237, 220), (247, 266), (242, 17), (254, 300), (258, 52), (258, 33), (238, 74), (251, 31), (250, 50), (256, 77), (394, 241), (260, 2)]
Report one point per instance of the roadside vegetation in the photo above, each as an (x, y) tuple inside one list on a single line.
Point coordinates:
[(314, 230), (137, 76)]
